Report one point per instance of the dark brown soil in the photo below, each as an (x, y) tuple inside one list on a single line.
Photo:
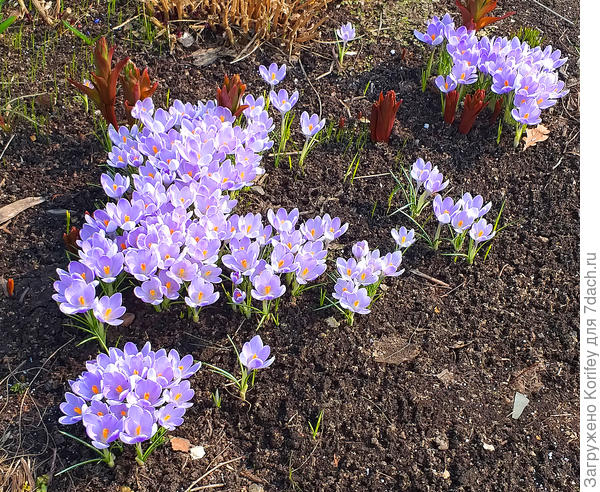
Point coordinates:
[(436, 415)]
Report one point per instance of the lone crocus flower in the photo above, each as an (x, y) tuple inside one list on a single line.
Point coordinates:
[(255, 355), (345, 33), (434, 34), (311, 125), (272, 75), (403, 237), (383, 114)]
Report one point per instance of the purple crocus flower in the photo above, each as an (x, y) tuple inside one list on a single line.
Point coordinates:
[(347, 32), (183, 270), (334, 228), (463, 73), (446, 84), (236, 277), (115, 187), (282, 259), (180, 394), (243, 260), (146, 107), (403, 237), (434, 34), (238, 296), (461, 221), (142, 264), (110, 309), (170, 416), (360, 249), (183, 368), (267, 286), (445, 209), (108, 267), (347, 268), (88, 386), (356, 302), (73, 409), (200, 293), (147, 393), (391, 264), (150, 291), (255, 355), (309, 269), (282, 101), (527, 114), (420, 171), (272, 75), (482, 231), (311, 125), (435, 182), (474, 205), (282, 221), (504, 81), (103, 430), (343, 287), (79, 297), (139, 426), (116, 386)]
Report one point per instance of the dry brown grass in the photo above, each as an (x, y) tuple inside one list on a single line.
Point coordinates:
[(293, 22)]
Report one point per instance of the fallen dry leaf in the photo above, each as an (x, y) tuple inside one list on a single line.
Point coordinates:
[(445, 377), (180, 444), (9, 211), (394, 350), (536, 135)]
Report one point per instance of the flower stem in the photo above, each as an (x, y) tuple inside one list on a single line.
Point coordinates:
[(427, 72)]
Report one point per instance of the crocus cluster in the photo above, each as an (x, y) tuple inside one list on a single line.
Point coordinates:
[(360, 276), (173, 190), (131, 396), (265, 260), (512, 75), (463, 217)]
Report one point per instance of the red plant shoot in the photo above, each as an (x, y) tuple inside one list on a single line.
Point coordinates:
[(473, 105), (474, 13), (383, 114), (136, 87), (230, 95), (10, 287), (450, 107), (71, 239), (497, 110), (103, 90)]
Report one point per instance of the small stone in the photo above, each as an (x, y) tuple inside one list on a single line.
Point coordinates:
[(332, 322), (521, 401), (254, 487), (488, 447), (392, 52), (186, 39), (426, 126), (197, 452), (442, 443)]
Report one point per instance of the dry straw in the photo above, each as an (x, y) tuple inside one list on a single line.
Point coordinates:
[(292, 22)]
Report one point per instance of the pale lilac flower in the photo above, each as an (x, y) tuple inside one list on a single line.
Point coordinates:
[(461, 221), (346, 32), (150, 291), (73, 409), (282, 101), (139, 426), (238, 296), (420, 171), (482, 231), (170, 416), (446, 84), (434, 35), (272, 75), (403, 237), (116, 186), (109, 309), (267, 286), (103, 430), (360, 249), (311, 125), (201, 293), (356, 302), (255, 355), (445, 209)]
